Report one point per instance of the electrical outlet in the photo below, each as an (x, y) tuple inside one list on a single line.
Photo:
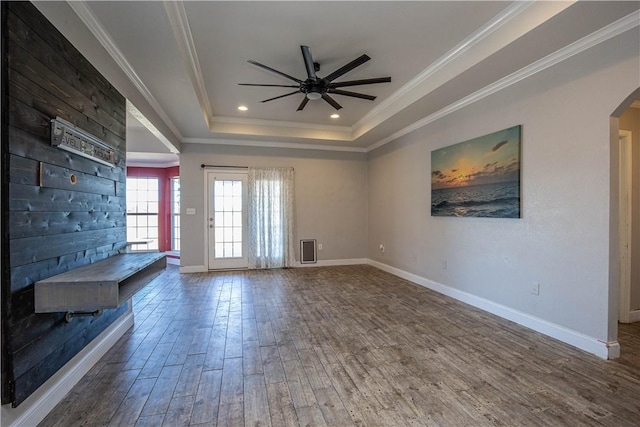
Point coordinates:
[(535, 288), (319, 246)]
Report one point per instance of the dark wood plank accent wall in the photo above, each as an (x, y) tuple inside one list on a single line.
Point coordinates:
[(49, 224), (5, 288)]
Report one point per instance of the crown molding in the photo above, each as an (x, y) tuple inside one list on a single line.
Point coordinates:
[(263, 129), (271, 144), (152, 164), (404, 96), (605, 33), (150, 160), (131, 109), (279, 123), (182, 34), (87, 17)]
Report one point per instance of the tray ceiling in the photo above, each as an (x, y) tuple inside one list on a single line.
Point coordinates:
[(187, 59)]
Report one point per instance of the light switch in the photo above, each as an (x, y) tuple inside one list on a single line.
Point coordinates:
[(191, 211)]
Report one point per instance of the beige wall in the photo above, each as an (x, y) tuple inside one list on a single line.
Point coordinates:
[(562, 240), (330, 192), (630, 121)]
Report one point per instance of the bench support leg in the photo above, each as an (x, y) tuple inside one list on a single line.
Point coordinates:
[(71, 314)]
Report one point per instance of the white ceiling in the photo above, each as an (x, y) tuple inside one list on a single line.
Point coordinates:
[(188, 58)]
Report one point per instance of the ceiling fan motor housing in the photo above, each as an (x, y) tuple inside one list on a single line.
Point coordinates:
[(314, 89)]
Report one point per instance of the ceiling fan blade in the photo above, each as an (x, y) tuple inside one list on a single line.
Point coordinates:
[(308, 62), (251, 61), (303, 103), (353, 94), (259, 84), (362, 82), (350, 66), (331, 101), (281, 96)]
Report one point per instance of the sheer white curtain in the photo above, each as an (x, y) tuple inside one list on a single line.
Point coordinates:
[(270, 217)]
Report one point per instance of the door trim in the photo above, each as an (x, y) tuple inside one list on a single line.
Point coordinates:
[(625, 206)]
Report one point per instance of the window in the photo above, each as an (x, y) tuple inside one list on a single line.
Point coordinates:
[(142, 213), (228, 218), (175, 214)]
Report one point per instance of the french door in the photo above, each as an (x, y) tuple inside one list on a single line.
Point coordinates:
[(227, 219)]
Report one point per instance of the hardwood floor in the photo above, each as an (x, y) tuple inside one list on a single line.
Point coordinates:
[(340, 346), (629, 338)]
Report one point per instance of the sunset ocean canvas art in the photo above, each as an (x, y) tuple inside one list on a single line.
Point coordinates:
[(479, 177)]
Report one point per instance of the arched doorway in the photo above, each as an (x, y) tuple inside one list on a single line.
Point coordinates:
[(624, 278)]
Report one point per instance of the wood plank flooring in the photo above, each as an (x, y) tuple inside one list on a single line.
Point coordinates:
[(340, 346)]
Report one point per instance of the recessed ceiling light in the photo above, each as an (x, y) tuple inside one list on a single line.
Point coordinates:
[(335, 116), (243, 108)]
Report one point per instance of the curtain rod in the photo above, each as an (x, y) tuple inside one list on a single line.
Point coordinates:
[(223, 166), (202, 166)]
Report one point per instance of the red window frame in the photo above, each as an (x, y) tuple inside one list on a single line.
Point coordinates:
[(164, 176)]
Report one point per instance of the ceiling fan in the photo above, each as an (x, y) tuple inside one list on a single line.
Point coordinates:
[(315, 87)]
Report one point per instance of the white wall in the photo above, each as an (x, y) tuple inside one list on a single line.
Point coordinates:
[(630, 120), (562, 240), (330, 196)]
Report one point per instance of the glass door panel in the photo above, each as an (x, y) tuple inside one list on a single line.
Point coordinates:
[(227, 220)]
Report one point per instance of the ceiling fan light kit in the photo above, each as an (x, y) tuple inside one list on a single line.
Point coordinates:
[(315, 87)]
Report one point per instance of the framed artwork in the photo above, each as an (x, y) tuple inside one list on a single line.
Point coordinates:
[(479, 177)]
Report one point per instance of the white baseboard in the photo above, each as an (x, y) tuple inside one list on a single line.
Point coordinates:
[(634, 316), (321, 263), (194, 269), (173, 261), (33, 410), (333, 262), (605, 350), (613, 349)]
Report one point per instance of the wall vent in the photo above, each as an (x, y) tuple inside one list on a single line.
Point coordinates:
[(308, 252)]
